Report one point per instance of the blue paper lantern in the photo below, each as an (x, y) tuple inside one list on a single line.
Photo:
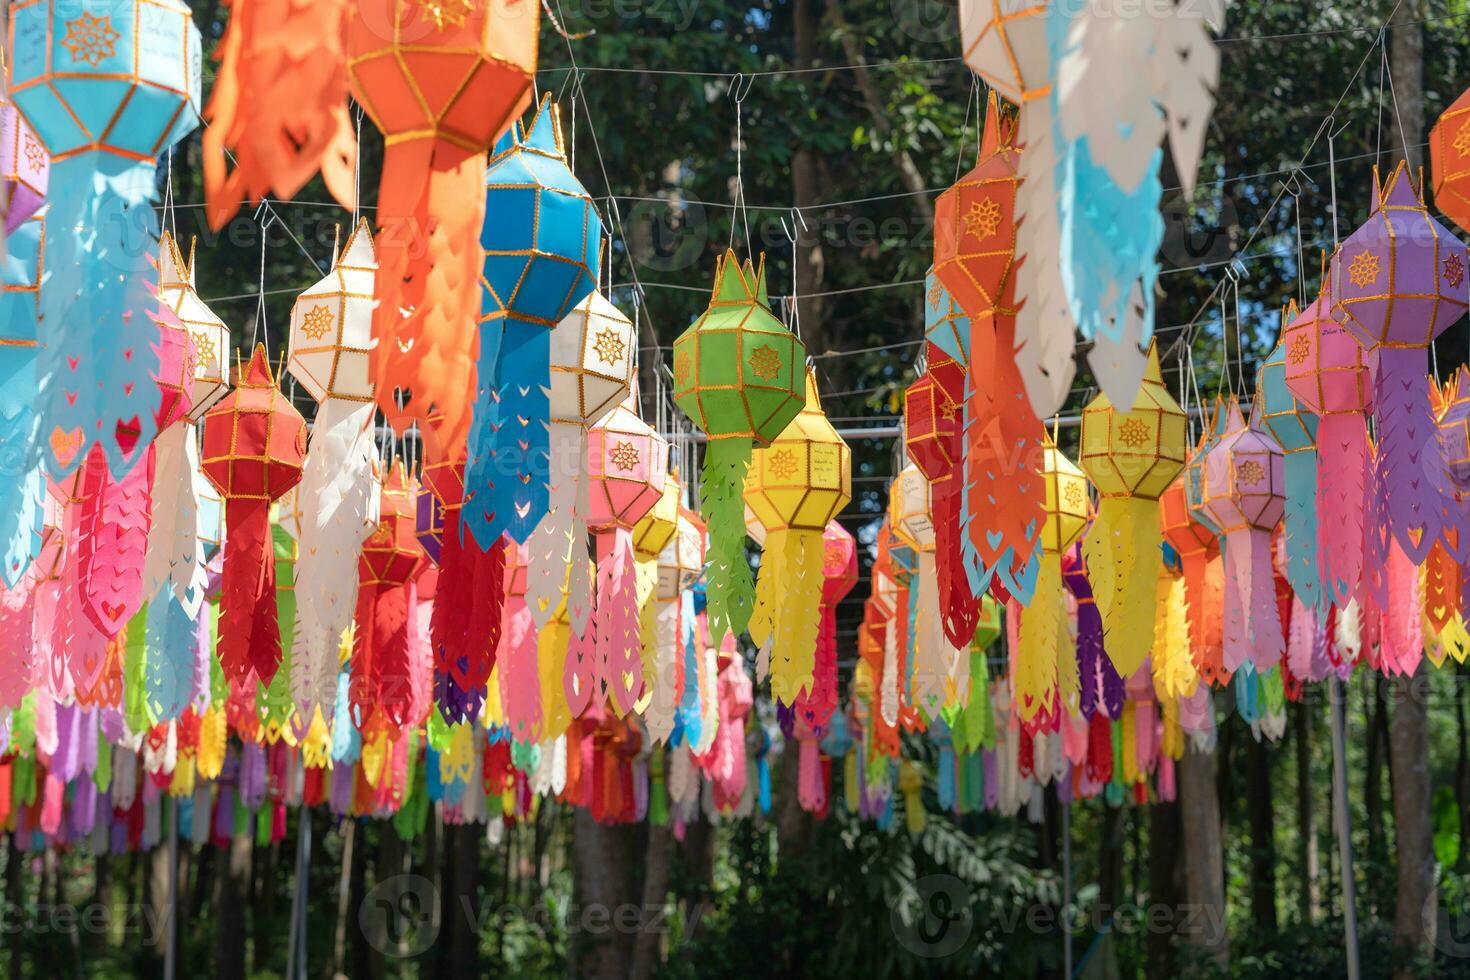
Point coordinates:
[(108, 86), (541, 239)]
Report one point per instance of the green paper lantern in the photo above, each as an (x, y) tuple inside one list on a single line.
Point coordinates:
[(741, 376)]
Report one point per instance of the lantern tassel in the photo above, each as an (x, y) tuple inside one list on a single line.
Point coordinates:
[(249, 636), (509, 475), (169, 665), (465, 628), (549, 546), (114, 540), (1122, 548), (1342, 470), (619, 666), (1300, 518), (17, 615), (1409, 452), (174, 553), (731, 593), (1042, 623), (930, 658), (520, 681)]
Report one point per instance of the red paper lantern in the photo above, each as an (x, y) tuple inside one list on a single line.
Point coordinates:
[(381, 692)]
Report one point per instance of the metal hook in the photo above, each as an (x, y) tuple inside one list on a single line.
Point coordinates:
[(739, 87)]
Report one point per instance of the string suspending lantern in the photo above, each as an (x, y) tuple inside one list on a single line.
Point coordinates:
[(738, 375), (627, 466), (441, 82), (1131, 457), (1244, 491), (795, 487), (540, 241), (1326, 371), (1398, 282), (254, 446), (338, 498), (107, 87)]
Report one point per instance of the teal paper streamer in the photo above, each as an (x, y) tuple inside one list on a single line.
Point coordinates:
[(20, 479)]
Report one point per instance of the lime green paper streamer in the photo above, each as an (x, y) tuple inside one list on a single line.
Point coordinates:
[(135, 669)]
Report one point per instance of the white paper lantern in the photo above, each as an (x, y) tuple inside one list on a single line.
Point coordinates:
[(210, 335), (591, 361), (331, 325)]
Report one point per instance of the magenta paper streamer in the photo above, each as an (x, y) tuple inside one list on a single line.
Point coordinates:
[(1342, 478)]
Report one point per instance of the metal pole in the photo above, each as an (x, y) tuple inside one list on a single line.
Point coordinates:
[(171, 951), (296, 943), (1340, 822), (1067, 889)]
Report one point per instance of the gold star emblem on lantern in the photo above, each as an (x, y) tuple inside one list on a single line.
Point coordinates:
[(1134, 433), (983, 218), (35, 156), (382, 534), (783, 464), (1363, 270), (90, 39), (318, 322), (609, 347), (1454, 270), (681, 369), (1074, 494), (1249, 473), (203, 347), (765, 362), (1462, 139), (451, 12), (1301, 347), (935, 291), (624, 456)]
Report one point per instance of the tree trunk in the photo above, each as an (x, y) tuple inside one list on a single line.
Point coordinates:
[(1415, 911), (793, 824), (1306, 804), (1373, 778), (229, 936), (1163, 886), (648, 948), (13, 903), (1263, 836), (605, 871), (264, 903), (1110, 861), (460, 912), (1462, 769), (344, 898), (1204, 864)]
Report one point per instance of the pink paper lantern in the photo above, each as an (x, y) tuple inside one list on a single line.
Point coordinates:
[(25, 168)]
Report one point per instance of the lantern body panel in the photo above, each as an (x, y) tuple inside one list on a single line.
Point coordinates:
[(908, 511), (1453, 425), (591, 361), (331, 325), (254, 440), (1325, 367), (1005, 44), (682, 560), (210, 335), (25, 167), (657, 528), (1449, 157), (975, 224), (1067, 501), (1244, 478), (839, 563), (804, 478), (1181, 530), (946, 325), (1140, 451), (1287, 419), (627, 466)]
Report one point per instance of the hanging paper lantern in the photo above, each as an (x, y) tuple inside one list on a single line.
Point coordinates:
[(1449, 161), (1005, 44), (107, 87), (933, 439), (737, 374), (795, 487), (541, 238), (330, 349), (254, 445), (921, 634), (592, 352), (680, 564), (1446, 575), (975, 224), (627, 465), (1327, 372), (25, 168), (946, 324), (651, 535), (1397, 283), (1295, 430), (441, 81), (1045, 641), (22, 487), (1197, 547), (1244, 491), (1131, 457), (839, 576), (380, 690), (278, 106)]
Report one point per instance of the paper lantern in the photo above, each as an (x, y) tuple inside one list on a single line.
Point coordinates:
[(278, 106), (107, 87), (1449, 161), (591, 370), (738, 375), (1005, 44), (946, 325), (627, 465), (25, 168), (330, 346), (1045, 643), (1131, 457), (1197, 547), (380, 691), (22, 489), (254, 446), (1295, 430), (1244, 491), (975, 224), (541, 239), (1446, 579), (1327, 372), (210, 335), (442, 82), (1398, 282), (934, 440), (795, 487)]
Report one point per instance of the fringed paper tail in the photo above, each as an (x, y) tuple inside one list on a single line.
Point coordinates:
[(520, 680), (668, 671), (1123, 545), (431, 204), (1252, 624), (506, 476), (1415, 473), (1301, 527), (1036, 657), (1342, 473), (549, 547), (465, 628), (731, 593), (17, 616), (169, 667), (811, 786), (618, 660), (958, 606), (114, 540), (930, 665), (247, 588), (794, 644), (580, 674)]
